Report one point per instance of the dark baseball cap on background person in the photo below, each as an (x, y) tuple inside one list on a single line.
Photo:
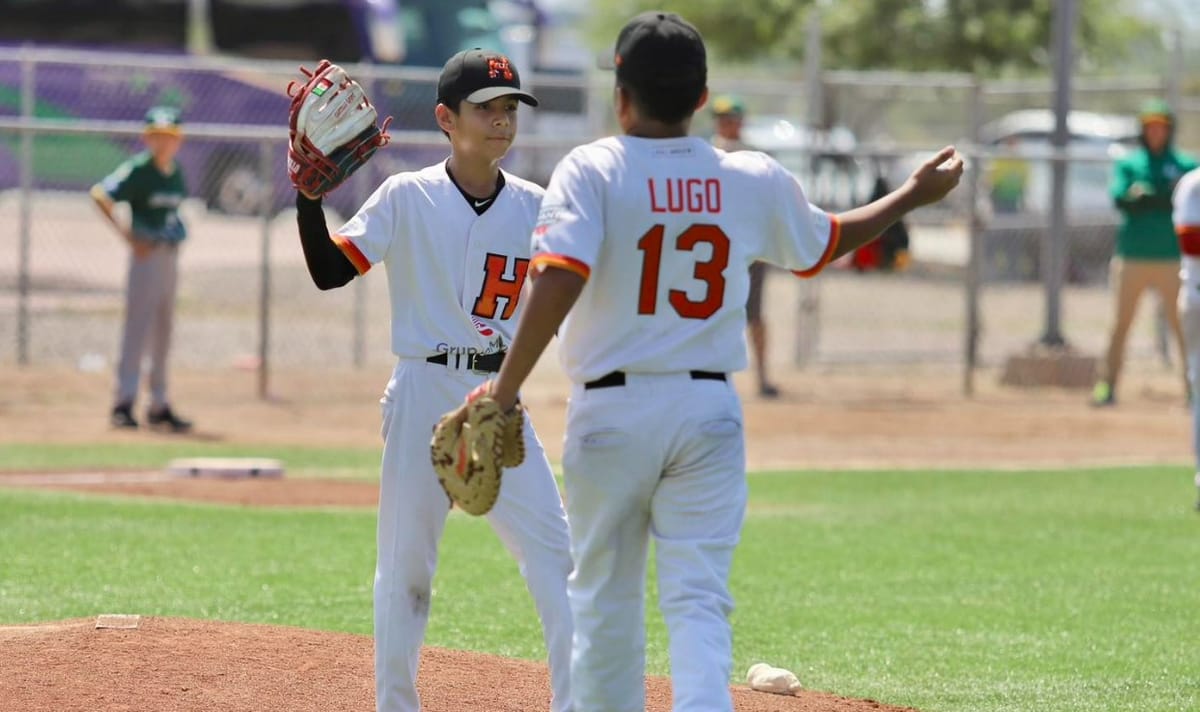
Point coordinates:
[(660, 49), (728, 105), (163, 120), (478, 76)]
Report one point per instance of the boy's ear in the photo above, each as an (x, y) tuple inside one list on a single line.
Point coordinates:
[(445, 117)]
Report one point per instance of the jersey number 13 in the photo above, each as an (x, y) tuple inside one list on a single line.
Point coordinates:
[(711, 272)]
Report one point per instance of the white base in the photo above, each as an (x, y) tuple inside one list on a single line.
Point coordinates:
[(226, 467)]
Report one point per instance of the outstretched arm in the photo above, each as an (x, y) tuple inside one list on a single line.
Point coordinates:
[(551, 296), (327, 264), (931, 182)]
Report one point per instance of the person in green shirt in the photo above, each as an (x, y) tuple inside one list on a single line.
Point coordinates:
[(151, 182), (1147, 252)]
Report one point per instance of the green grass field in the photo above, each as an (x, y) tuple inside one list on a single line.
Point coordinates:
[(1068, 590)]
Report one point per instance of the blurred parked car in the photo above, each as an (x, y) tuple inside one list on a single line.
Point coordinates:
[(1019, 181)]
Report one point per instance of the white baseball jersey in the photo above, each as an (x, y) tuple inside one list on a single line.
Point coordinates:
[(454, 276), (665, 230), (1186, 217)]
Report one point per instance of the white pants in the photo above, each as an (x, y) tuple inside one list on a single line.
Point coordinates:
[(528, 518), (662, 456), (1189, 317)]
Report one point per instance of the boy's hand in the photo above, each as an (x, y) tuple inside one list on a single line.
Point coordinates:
[(140, 248), (1139, 189), (934, 179)]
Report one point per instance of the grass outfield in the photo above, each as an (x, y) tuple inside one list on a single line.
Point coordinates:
[(1071, 590)]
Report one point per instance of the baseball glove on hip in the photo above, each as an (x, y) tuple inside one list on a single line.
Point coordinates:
[(333, 130), (472, 445)]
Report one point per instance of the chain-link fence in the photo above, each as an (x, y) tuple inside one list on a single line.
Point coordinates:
[(66, 120)]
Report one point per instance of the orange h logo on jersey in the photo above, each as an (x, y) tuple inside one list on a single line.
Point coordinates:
[(495, 286), (498, 66)]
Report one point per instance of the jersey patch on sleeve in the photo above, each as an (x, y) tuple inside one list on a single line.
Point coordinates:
[(548, 216), (352, 253), (835, 235)]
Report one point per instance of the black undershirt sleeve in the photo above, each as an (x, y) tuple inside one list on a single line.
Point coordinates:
[(327, 265)]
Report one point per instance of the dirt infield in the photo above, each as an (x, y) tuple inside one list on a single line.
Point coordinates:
[(186, 665), (829, 419)]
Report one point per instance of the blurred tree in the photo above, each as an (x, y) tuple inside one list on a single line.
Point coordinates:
[(991, 37), (742, 30)]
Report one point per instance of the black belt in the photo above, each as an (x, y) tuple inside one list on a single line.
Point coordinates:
[(617, 378), (481, 363)]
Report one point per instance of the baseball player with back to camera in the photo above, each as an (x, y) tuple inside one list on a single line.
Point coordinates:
[(454, 240), (642, 246), (1186, 218)]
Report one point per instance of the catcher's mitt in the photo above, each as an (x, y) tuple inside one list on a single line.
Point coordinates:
[(333, 129), (471, 445)]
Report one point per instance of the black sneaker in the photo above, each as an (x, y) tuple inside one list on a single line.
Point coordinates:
[(122, 416), (165, 418), (768, 391)]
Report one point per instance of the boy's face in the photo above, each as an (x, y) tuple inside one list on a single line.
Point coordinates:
[(729, 126), (485, 131), (1156, 133), (163, 146)]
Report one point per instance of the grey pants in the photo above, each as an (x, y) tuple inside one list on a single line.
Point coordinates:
[(149, 312)]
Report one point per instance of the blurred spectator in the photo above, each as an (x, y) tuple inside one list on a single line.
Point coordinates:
[(152, 183), (1008, 177), (1147, 251), (728, 115), (890, 251)]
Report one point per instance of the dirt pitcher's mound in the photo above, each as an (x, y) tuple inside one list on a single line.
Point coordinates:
[(178, 665)]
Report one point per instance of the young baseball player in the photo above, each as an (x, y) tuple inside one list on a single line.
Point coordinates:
[(1186, 218), (645, 239), (152, 183), (454, 239), (728, 114)]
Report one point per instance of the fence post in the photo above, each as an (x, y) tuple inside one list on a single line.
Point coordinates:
[(973, 278), (808, 315), (1176, 70), (25, 218), (1054, 246), (264, 295)]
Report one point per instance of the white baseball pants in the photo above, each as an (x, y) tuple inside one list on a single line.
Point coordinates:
[(1189, 317), (528, 518), (662, 456)]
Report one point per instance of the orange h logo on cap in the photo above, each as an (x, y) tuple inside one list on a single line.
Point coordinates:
[(499, 66)]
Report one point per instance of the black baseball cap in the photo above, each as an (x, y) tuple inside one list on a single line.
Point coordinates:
[(661, 49), (478, 76)]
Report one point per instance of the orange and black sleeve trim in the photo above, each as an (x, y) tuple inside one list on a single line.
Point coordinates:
[(835, 236), (1189, 239), (570, 264), (352, 253)]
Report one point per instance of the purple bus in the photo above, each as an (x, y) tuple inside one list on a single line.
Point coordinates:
[(249, 34)]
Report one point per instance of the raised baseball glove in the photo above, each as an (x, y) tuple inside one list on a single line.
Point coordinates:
[(472, 445), (333, 130)]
